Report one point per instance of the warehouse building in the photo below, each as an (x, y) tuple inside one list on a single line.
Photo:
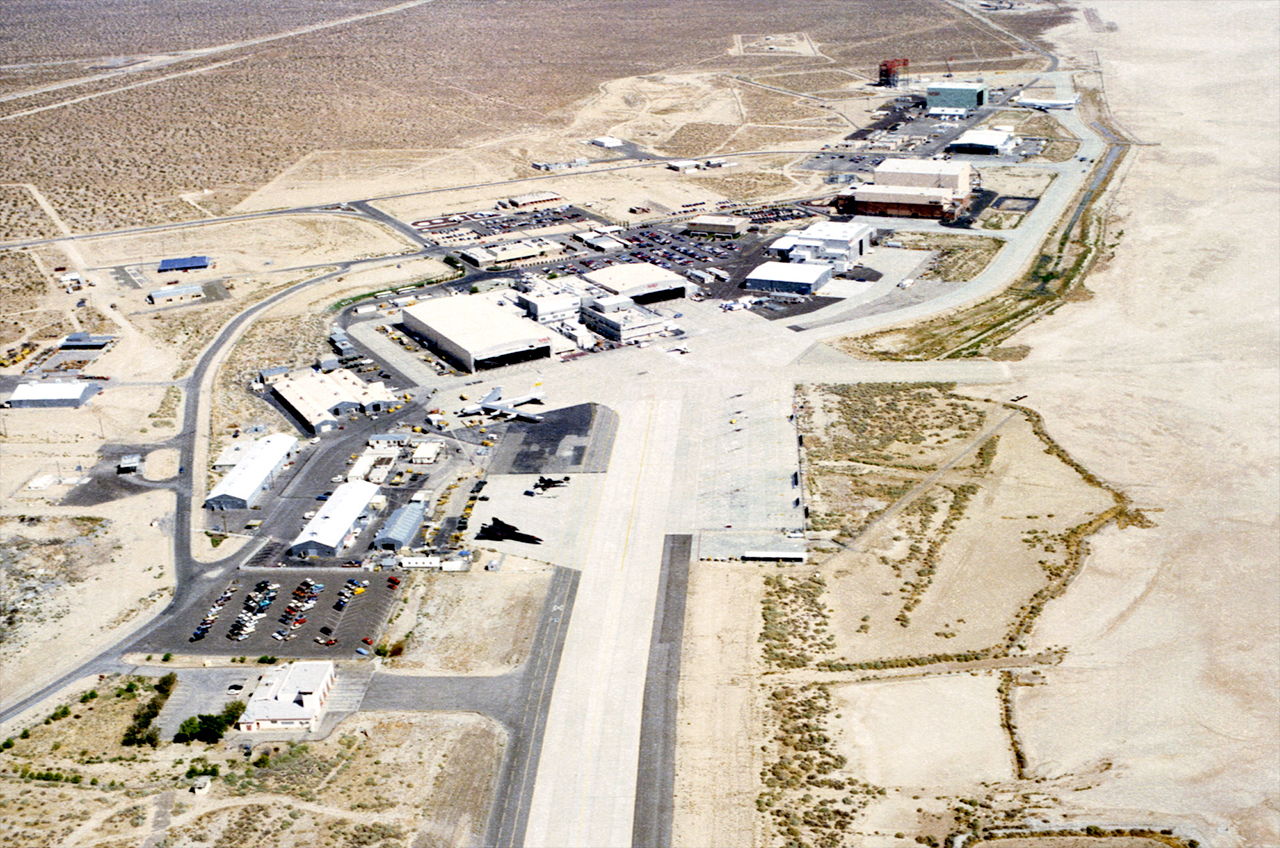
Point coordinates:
[(475, 332), (289, 697), (900, 201), (176, 294), (47, 395), (253, 473), (374, 464), (184, 263), (516, 251), (606, 141), (838, 244), (789, 277), (984, 143), (717, 225), (643, 282), (337, 523), (401, 528), (956, 95), (925, 173), (534, 198), (85, 341), (318, 398)]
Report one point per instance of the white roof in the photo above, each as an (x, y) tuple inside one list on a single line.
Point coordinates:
[(50, 391), (476, 322), (607, 141), (258, 462), (335, 518), (844, 231), (727, 220), (288, 693), (908, 194), (791, 272), (921, 166), (314, 393), (990, 138), (967, 86), (785, 243), (633, 277)]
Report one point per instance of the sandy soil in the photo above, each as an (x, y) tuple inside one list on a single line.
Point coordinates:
[(160, 464), (335, 792), (895, 735), (476, 622), (1170, 391), (116, 571)]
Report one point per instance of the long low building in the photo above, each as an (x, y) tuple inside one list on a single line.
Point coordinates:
[(984, 143), (717, 225), (789, 277), (900, 201), (319, 397), (930, 173), (289, 697), (253, 474), (176, 294), (329, 529), (401, 528), (476, 332), (54, 394)]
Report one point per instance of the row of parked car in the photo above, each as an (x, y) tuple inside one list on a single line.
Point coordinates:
[(256, 604), (215, 610), (295, 614)]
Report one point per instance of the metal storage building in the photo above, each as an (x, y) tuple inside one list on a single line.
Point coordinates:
[(792, 277), (900, 201), (184, 263), (643, 282), (319, 397), (45, 395), (401, 528), (253, 474), (326, 533), (176, 294), (475, 332), (932, 173), (983, 143)]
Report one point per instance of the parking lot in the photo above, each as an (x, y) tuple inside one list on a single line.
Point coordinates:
[(488, 224), (290, 617)]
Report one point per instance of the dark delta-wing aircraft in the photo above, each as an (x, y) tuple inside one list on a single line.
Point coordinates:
[(498, 530), (503, 407)]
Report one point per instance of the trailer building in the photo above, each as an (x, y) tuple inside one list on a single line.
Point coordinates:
[(183, 263), (176, 294), (46, 395)]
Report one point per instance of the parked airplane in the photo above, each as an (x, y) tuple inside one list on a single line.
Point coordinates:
[(1046, 105), (496, 405), (498, 530)]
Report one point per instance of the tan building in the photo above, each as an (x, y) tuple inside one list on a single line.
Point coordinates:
[(717, 225), (925, 173)]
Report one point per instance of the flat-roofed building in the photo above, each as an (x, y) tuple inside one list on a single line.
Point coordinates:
[(984, 143), (515, 251), (643, 282), (549, 307), (606, 141), (253, 473), (176, 294), (956, 95), (534, 198), (622, 322), (54, 394), (476, 332), (933, 173), (333, 526), (374, 464), (318, 398), (289, 697), (900, 201), (717, 225), (836, 243), (789, 277)]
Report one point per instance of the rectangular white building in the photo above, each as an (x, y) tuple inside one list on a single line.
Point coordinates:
[(643, 282), (327, 532), (320, 397), (476, 332), (931, 173), (253, 473), (838, 244), (43, 395), (289, 697), (789, 277)]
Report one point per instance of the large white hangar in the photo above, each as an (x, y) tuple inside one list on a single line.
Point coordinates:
[(643, 282), (476, 332)]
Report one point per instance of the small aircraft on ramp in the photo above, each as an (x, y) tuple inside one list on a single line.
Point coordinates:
[(498, 530), (546, 484), (503, 407)]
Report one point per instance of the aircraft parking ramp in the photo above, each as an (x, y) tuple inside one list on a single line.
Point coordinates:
[(574, 440)]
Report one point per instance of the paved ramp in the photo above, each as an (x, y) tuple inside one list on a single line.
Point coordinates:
[(574, 440)]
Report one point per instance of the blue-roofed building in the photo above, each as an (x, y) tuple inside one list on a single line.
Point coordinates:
[(401, 528), (184, 263)]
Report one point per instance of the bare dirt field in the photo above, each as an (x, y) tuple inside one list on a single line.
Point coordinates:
[(387, 779), (77, 578), (477, 622), (956, 258), (131, 155)]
